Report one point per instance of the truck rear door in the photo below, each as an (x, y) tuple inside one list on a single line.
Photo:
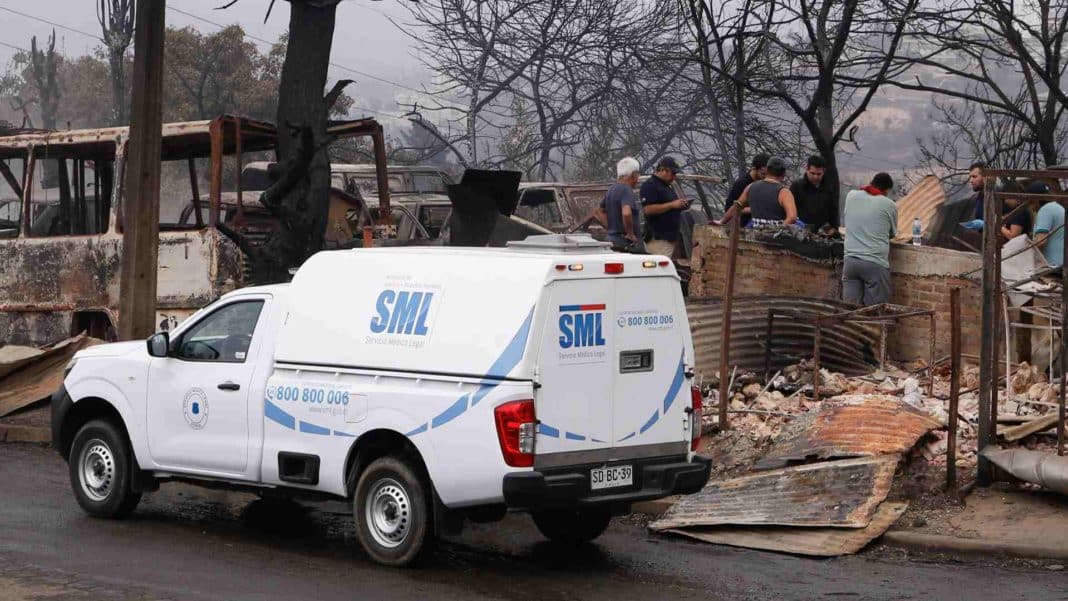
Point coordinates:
[(612, 372)]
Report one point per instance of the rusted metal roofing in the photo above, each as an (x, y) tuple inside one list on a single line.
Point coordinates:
[(817, 542), (841, 494), (923, 202), (851, 426), (846, 347), (33, 378)]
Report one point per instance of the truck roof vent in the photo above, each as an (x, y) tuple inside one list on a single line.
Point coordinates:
[(570, 243)]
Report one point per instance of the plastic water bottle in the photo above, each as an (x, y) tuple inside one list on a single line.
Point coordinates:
[(917, 232)]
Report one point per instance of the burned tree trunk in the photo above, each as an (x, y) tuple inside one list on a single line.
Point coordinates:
[(300, 196)]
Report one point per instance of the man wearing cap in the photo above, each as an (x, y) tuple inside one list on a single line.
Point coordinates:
[(1049, 226), (662, 208), (758, 170), (870, 223)]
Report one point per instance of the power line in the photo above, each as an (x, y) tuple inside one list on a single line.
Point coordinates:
[(52, 23), (332, 64), (221, 26)]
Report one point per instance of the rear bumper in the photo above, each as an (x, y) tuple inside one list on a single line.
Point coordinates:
[(653, 479)]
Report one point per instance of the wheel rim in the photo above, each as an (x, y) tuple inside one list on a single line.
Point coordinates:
[(97, 470), (388, 513)]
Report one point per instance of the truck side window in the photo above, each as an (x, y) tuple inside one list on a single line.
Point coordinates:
[(223, 336)]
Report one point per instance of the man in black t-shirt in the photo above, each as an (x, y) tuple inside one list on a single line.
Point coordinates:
[(662, 208)]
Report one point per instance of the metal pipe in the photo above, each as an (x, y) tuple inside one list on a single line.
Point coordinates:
[(767, 344), (931, 363), (194, 185), (237, 152), (882, 347), (1064, 351), (725, 340), (816, 362), (954, 387)]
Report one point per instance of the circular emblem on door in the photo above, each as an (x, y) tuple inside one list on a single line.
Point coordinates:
[(195, 408)]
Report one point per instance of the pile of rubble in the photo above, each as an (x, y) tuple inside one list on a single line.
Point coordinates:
[(886, 429)]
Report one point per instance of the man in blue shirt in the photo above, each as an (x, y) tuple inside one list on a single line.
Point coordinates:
[(620, 210), (1049, 226), (662, 208)]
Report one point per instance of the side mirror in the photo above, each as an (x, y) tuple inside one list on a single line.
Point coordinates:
[(159, 344)]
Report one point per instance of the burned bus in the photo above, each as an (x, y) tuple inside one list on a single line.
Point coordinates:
[(61, 240)]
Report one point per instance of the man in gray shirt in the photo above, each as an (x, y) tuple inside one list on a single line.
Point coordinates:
[(870, 223), (620, 210)]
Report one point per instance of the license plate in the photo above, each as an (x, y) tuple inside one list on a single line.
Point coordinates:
[(611, 477)]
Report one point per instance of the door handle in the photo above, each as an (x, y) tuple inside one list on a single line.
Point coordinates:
[(229, 386)]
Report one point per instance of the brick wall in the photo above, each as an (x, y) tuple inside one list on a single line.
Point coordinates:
[(921, 277)]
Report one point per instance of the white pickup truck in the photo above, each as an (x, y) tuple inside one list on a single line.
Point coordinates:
[(427, 385)]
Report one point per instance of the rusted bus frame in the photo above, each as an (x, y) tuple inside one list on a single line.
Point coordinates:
[(873, 314)]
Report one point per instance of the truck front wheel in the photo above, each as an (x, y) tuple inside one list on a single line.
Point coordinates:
[(392, 512), (101, 470), (573, 525)]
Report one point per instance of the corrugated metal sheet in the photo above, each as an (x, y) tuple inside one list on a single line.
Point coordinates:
[(922, 202), (855, 426), (841, 494), (35, 378), (817, 542), (848, 348)]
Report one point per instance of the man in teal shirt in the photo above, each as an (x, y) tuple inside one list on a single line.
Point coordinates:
[(870, 224), (1049, 226)]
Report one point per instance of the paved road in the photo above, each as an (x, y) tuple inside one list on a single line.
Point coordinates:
[(190, 543)]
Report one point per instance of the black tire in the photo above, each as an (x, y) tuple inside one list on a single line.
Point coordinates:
[(573, 525), (392, 511), (101, 470)]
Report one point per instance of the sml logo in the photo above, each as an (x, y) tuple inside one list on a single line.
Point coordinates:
[(581, 326), (402, 312)]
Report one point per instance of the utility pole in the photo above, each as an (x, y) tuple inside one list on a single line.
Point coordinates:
[(140, 205)]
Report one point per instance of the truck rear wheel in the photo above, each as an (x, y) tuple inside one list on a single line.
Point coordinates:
[(573, 525), (101, 470), (392, 512)]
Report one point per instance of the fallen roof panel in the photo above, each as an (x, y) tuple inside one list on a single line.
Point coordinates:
[(817, 542), (35, 378), (836, 493), (850, 426)]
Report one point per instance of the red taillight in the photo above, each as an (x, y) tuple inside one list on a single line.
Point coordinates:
[(515, 431), (695, 418), (613, 268)]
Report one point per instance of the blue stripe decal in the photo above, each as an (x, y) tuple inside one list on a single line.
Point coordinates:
[(313, 429), (628, 436), (649, 424), (676, 384), (505, 363), (595, 440), (456, 410), (513, 353), (482, 391), (276, 414), (570, 436), (345, 434), (548, 431)]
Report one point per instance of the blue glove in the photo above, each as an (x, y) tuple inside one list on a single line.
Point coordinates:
[(974, 224)]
